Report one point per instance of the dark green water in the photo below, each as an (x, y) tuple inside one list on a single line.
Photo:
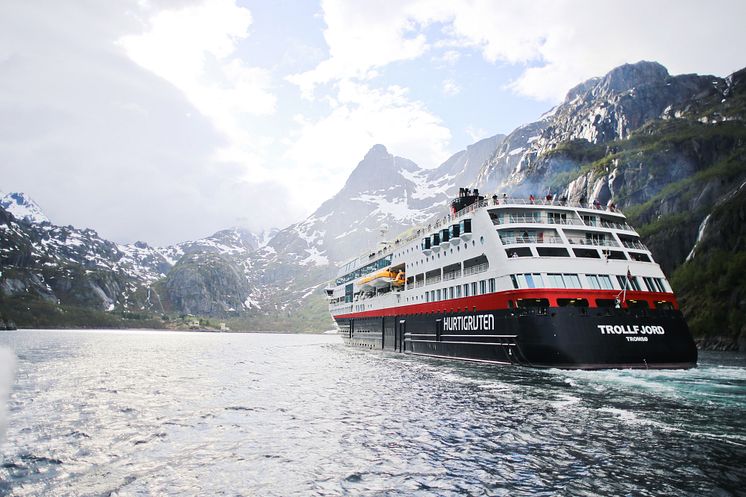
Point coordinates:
[(104, 413)]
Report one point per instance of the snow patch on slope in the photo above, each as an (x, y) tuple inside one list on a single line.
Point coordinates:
[(23, 207)]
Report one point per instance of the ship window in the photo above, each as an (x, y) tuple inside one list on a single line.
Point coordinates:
[(514, 281), (572, 302), (483, 287), (458, 292), (649, 283), (606, 303), (593, 281), (589, 220), (466, 290), (661, 304), (552, 252), (587, 253), (474, 288), (491, 285), (614, 254), (439, 298), (518, 252), (631, 283), (450, 293), (572, 281), (531, 280), (557, 218), (555, 280), (659, 283), (639, 257)]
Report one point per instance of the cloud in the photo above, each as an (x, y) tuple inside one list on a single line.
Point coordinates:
[(450, 88), (476, 134), (101, 142), (556, 43), (194, 48), (363, 36), (358, 118)]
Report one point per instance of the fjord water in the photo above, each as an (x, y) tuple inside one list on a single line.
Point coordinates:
[(166, 413)]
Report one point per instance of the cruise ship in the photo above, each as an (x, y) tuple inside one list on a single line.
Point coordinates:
[(532, 282)]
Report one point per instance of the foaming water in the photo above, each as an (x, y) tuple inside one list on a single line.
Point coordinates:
[(166, 413)]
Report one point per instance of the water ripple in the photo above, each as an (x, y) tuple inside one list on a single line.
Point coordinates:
[(152, 413)]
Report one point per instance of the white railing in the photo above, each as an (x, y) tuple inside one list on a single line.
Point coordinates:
[(617, 226), (634, 245), (479, 268), (595, 243), (530, 239), (452, 275)]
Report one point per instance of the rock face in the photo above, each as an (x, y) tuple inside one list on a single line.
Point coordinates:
[(206, 284), (600, 110)]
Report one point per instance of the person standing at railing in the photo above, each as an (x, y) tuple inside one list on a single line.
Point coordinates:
[(531, 198)]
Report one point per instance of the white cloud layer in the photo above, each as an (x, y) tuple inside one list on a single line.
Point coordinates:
[(561, 42), (101, 142), (194, 48)]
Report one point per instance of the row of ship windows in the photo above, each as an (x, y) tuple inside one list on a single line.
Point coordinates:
[(458, 291), (550, 280), (595, 281)]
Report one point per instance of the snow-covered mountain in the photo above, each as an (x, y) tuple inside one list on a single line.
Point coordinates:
[(22, 207), (383, 196), (78, 267)]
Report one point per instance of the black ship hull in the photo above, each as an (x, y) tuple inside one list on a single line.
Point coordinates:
[(562, 337)]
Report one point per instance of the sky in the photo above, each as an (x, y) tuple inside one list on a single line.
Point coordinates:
[(167, 120)]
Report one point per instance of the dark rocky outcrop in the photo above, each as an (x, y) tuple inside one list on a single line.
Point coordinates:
[(206, 284)]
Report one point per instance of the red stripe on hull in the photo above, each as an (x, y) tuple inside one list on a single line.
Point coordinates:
[(499, 300)]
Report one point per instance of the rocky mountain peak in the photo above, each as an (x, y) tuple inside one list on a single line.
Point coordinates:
[(377, 151), (628, 76), (376, 170), (23, 207)]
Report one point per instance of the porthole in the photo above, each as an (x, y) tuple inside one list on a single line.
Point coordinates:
[(481, 239)]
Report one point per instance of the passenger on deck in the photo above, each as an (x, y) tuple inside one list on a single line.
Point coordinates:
[(494, 199), (531, 198), (563, 199)]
